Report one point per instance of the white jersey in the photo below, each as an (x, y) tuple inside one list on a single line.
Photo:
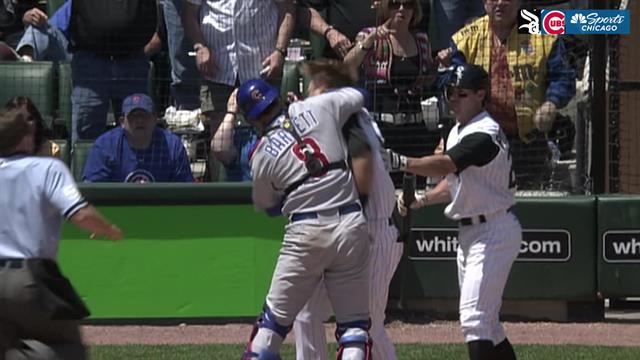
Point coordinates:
[(484, 189), (277, 161), (381, 198), (36, 193)]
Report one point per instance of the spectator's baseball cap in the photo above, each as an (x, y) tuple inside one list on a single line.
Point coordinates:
[(469, 76), (137, 101)]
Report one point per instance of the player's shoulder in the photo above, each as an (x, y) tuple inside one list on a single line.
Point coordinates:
[(41, 164), (487, 123)]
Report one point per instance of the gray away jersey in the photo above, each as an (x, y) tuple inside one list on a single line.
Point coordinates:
[(36, 193), (484, 189), (277, 161)]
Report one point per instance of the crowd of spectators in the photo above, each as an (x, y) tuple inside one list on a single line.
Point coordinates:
[(401, 50)]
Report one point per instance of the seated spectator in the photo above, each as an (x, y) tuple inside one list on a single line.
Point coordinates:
[(233, 143), (530, 79), (48, 42), (111, 43), (16, 15), (43, 146), (138, 151), (398, 68)]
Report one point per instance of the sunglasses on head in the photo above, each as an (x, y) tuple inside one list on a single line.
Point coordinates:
[(395, 4)]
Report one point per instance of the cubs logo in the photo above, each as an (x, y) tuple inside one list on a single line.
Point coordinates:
[(553, 22), (140, 176), (256, 95)]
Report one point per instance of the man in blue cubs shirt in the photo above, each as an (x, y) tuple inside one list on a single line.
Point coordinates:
[(138, 150)]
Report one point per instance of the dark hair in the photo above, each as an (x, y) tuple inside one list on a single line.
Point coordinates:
[(14, 126), (26, 104), (332, 73)]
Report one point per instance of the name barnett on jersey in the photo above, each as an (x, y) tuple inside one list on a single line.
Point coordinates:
[(280, 140)]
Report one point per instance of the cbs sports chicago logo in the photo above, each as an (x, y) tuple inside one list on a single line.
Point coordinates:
[(578, 22)]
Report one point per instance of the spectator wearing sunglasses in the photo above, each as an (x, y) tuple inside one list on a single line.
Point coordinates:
[(395, 61)]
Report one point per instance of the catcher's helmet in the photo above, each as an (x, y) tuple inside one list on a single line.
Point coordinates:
[(255, 96), (469, 76)]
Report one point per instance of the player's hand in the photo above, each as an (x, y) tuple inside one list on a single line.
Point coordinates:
[(292, 97), (35, 17), (544, 116), (339, 43), (420, 201), (232, 105), (393, 161), (274, 62), (205, 62), (112, 233)]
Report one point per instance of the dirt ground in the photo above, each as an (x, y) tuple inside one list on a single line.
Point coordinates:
[(603, 333)]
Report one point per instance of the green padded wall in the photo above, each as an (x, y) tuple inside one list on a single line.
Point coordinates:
[(619, 246), (557, 258)]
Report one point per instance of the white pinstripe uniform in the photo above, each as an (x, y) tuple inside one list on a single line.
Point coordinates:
[(386, 252), (240, 35), (486, 250)]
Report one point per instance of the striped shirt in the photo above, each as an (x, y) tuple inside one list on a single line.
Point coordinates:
[(36, 193), (240, 34)]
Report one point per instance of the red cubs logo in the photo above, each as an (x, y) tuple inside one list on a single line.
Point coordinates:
[(553, 22)]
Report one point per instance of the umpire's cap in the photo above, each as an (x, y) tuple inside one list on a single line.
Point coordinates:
[(14, 126), (255, 96), (469, 76)]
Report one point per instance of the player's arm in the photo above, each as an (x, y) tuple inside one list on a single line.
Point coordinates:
[(264, 195), (88, 218), (63, 193), (361, 156), (476, 149), (439, 194)]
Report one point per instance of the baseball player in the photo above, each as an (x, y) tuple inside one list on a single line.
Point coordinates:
[(374, 183), (39, 309), (300, 169), (479, 186)]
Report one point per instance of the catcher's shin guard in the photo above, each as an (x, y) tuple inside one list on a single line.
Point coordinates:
[(265, 320), (352, 336)]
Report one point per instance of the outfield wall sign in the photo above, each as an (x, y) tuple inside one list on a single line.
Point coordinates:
[(537, 245), (621, 246)]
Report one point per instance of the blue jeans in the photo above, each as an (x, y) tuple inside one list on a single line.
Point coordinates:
[(185, 77), (450, 16), (98, 80), (48, 44)]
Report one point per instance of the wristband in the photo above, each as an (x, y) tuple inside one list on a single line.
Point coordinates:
[(282, 51), (326, 31), (231, 113)]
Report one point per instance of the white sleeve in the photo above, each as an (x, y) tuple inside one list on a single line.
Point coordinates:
[(61, 189)]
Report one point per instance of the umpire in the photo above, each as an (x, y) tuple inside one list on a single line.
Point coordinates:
[(39, 309)]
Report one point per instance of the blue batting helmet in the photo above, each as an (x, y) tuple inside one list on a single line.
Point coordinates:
[(255, 96)]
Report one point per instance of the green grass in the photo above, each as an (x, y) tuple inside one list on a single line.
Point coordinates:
[(405, 352)]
